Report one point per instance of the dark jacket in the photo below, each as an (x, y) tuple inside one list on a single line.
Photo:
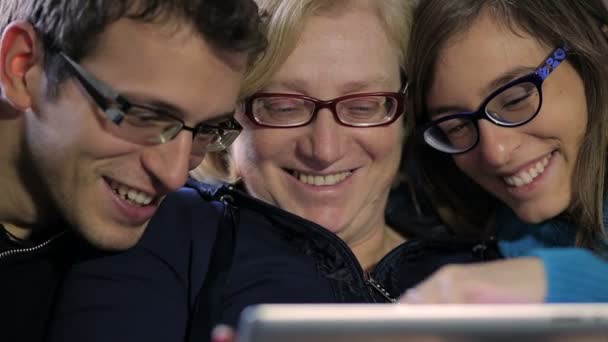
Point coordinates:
[(29, 278), (210, 252)]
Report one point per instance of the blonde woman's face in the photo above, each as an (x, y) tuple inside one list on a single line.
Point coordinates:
[(336, 176), (529, 167)]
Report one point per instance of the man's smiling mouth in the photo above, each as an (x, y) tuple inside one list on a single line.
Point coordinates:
[(130, 195)]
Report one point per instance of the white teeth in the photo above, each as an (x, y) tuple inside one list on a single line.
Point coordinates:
[(527, 176), (318, 180), (131, 195), (533, 173)]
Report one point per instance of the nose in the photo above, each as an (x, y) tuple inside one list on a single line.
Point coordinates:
[(496, 143), (169, 163), (324, 137)]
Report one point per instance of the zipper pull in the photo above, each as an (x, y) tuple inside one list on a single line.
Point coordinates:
[(378, 288)]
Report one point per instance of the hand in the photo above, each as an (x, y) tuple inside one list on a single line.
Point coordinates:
[(223, 333), (520, 280)]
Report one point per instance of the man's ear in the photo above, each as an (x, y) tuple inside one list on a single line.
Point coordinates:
[(18, 55)]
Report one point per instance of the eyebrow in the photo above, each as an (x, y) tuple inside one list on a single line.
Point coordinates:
[(220, 119), (433, 112), (298, 85), (165, 107), (491, 87), (154, 103), (507, 77)]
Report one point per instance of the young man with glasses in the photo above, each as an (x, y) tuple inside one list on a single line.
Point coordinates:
[(105, 107)]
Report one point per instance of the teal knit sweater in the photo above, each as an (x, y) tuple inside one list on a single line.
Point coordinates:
[(573, 274)]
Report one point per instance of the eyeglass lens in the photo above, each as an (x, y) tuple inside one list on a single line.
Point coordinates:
[(511, 106), (284, 111)]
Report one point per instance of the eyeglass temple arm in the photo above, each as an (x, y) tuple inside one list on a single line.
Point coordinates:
[(404, 83), (553, 61), (99, 91)]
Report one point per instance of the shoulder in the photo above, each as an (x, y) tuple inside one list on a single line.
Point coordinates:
[(411, 213)]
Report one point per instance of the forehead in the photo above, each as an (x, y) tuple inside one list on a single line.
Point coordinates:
[(470, 61), (169, 62), (342, 46)]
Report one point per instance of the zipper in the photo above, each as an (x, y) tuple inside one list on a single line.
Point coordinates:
[(21, 251), (229, 191), (370, 281)]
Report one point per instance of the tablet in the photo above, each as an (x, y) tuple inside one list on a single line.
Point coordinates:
[(402, 322)]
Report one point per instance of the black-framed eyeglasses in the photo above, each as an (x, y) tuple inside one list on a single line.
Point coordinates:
[(278, 110), (511, 105), (145, 125)]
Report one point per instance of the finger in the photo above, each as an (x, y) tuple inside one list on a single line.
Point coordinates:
[(222, 333), (411, 296), (441, 287)]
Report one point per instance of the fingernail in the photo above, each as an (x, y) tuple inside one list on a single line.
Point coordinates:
[(412, 297), (222, 333)]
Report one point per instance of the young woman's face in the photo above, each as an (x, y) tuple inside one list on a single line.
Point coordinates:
[(530, 167)]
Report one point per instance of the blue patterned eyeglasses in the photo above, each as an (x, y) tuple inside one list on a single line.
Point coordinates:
[(512, 105)]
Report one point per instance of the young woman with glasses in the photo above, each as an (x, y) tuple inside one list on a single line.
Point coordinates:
[(511, 110)]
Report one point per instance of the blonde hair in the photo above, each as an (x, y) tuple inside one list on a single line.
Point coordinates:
[(284, 21)]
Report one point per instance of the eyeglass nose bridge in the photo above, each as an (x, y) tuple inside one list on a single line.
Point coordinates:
[(183, 127), (329, 104)]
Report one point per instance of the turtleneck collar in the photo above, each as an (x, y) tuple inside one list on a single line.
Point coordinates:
[(517, 238)]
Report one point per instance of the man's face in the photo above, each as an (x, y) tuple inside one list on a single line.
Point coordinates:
[(106, 187)]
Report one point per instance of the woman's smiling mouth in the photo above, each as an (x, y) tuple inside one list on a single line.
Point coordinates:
[(527, 176), (321, 180)]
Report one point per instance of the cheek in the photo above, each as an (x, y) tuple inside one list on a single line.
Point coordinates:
[(565, 112), (252, 149), (467, 164), (55, 128), (383, 142), (71, 125)]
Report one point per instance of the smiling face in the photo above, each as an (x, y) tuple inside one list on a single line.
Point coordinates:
[(529, 168), (336, 176), (104, 186)]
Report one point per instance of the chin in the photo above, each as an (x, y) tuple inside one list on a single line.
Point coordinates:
[(114, 239), (537, 214), (327, 221), (336, 229)]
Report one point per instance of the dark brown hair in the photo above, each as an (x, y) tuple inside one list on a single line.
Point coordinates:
[(580, 24), (73, 26)]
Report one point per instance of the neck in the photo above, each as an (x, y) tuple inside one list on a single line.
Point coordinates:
[(371, 248)]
